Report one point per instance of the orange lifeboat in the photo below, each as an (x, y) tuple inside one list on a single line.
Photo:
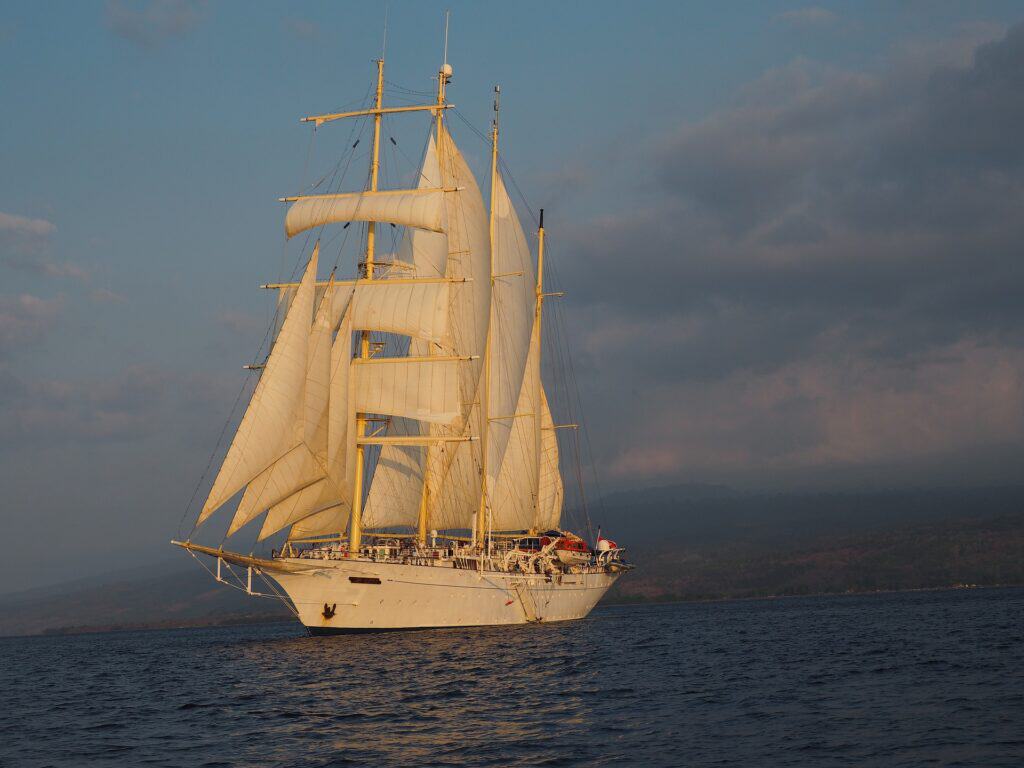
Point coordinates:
[(572, 551)]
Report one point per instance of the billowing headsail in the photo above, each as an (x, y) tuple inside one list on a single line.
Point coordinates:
[(328, 521), (333, 488), (267, 430), (293, 508), (294, 471), (423, 208)]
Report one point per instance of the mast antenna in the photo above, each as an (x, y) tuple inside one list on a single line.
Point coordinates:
[(447, 14), (384, 41)]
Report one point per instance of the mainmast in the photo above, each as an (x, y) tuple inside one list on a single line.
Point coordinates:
[(355, 532), (485, 394), (538, 409), (443, 75)]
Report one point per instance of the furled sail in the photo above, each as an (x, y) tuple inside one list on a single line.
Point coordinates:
[(513, 297), (267, 430), (424, 388), (422, 208), (419, 310)]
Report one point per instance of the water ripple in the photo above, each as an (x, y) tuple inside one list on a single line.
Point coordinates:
[(895, 680)]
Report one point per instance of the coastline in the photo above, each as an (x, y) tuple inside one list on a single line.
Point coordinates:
[(246, 619)]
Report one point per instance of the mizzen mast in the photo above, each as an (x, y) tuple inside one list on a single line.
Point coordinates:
[(485, 394), (538, 387)]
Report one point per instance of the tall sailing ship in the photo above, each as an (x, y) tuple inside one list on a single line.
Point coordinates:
[(400, 430)]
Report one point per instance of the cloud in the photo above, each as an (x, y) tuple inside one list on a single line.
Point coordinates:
[(135, 403), (242, 323), (809, 17), (151, 23), (302, 29), (24, 243), (107, 296), (24, 319), (826, 227), (24, 226), (819, 411), (51, 411)]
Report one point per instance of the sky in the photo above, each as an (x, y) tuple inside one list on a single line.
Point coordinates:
[(789, 234)]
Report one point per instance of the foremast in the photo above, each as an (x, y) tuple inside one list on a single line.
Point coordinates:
[(356, 517)]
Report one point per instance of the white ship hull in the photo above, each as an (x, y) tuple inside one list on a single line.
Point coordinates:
[(343, 596)]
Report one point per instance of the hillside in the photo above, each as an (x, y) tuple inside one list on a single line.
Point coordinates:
[(689, 543), (976, 550)]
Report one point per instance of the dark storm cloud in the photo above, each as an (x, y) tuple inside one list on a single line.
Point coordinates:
[(868, 222)]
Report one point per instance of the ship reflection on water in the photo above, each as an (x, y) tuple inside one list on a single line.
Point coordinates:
[(440, 696)]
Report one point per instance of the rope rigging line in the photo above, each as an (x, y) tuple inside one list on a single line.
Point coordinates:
[(265, 343)]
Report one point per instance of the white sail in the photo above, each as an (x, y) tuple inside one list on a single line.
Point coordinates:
[(425, 389), (514, 495), (329, 521), (333, 488), (267, 430), (285, 296), (306, 462), (340, 462), (513, 297), (419, 310), (395, 493), (422, 208), (292, 472), (292, 509), (453, 469), (551, 491), (396, 488)]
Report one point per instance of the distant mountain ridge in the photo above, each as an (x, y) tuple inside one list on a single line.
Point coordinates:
[(707, 516), (689, 542)]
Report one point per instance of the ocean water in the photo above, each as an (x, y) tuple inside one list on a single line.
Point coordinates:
[(889, 680)]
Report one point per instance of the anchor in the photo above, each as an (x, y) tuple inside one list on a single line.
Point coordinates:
[(329, 611)]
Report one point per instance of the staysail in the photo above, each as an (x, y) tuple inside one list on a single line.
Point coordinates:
[(267, 430), (513, 297)]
